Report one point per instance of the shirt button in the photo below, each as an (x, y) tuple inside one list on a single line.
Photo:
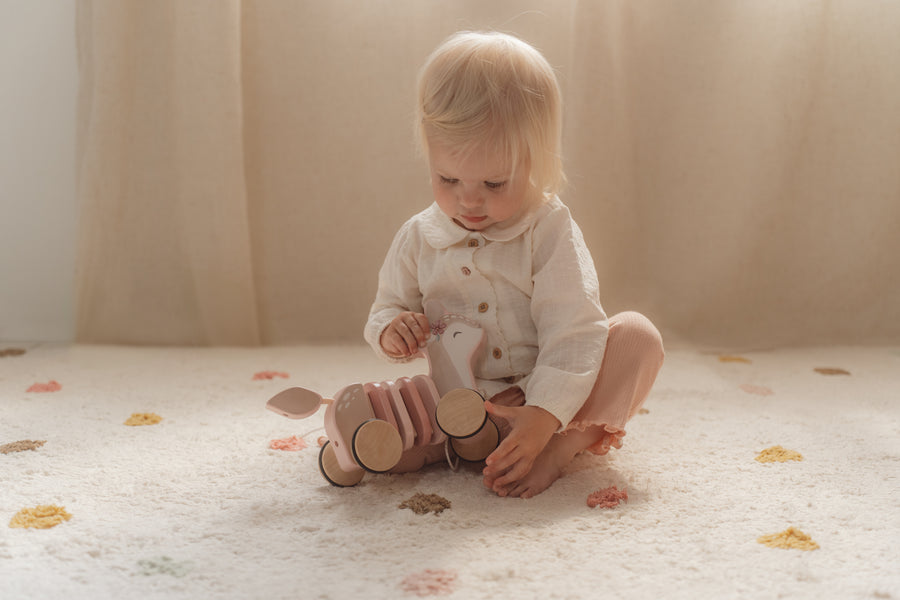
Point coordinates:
[(466, 271), (497, 353), (473, 243), (483, 307)]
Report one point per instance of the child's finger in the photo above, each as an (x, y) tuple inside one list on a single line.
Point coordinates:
[(517, 472), (415, 330), (422, 328), (503, 457), (498, 410), (407, 337)]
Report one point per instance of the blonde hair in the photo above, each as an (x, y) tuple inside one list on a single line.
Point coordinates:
[(492, 90)]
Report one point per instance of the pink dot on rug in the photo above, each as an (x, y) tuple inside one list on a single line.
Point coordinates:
[(269, 375), (430, 582), (50, 386), (757, 390), (607, 498), (291, 444)]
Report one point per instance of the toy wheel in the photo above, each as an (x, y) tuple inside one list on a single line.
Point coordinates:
[(477, 447), (332, 472), (377, 446), (460, 413)]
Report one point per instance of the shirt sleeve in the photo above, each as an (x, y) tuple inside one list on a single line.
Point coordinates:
[(571, 324), (398, 290)]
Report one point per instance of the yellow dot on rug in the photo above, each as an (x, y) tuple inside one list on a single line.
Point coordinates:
[(778, 454), (726, 358), (40, 517), (138, 419), (789, 539)]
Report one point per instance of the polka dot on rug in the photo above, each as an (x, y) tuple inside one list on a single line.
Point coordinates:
[(44, 516), (50, 386), (291, 444), (430, 582), (607, 497), (831, 371), (21, 446), (269, 375), (422, 504), (778, 454), (140, 419), (163, 565), (726, 358), (789, 539), (756, 390), (11, 352)]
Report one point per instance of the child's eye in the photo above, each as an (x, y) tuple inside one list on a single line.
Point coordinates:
[(448, 180), (494, 185)]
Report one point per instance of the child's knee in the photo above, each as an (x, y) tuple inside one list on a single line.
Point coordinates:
[(636, 334)]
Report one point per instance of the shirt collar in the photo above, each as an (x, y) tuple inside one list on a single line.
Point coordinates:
[(441, 231)]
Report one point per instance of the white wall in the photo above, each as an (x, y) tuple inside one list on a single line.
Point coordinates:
[(38, 91)]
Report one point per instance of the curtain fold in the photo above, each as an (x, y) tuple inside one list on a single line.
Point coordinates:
[(244, 166), (164, 245)]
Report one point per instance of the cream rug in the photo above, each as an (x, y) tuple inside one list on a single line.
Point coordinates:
[(199, 506)]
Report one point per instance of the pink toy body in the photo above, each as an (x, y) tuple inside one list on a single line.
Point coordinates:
[(408, 405)]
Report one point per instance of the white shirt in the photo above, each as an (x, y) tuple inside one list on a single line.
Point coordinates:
[(529, 282)]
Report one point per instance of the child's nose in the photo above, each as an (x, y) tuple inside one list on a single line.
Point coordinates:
[(470, 196)]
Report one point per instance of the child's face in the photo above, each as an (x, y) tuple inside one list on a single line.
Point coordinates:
[(476, 190)]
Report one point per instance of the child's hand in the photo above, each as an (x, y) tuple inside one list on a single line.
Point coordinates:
[(532, 428), (405, 335)]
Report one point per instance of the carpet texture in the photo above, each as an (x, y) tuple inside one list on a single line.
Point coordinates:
[(200, 505)]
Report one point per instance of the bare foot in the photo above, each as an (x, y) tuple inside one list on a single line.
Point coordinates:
[(547, 467)]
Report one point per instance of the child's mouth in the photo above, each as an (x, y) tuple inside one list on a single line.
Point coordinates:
[(473, 219)]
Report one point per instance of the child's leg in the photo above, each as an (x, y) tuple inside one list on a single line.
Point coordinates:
[(634, 355)]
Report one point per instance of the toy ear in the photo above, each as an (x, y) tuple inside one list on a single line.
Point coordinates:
[(434, 310)]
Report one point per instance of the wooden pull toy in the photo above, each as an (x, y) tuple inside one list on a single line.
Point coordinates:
[(370, 425)]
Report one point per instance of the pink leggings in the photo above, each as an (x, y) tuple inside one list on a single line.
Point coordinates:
[(634, 355)]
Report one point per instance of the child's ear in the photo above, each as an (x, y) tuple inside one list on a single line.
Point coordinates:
[(434, 310)]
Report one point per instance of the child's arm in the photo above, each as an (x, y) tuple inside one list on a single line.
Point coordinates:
[(398, 297), (571, 325)]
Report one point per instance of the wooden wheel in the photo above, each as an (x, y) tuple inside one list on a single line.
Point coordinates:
[(332, 471), (460, 413), (479, 446), (377, 446)]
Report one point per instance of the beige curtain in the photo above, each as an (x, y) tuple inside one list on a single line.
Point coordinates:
[(735, 164)]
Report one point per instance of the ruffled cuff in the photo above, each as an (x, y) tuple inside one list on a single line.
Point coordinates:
[(611, 437)]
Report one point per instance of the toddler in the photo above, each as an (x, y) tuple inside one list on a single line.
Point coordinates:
[(498, 246)]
